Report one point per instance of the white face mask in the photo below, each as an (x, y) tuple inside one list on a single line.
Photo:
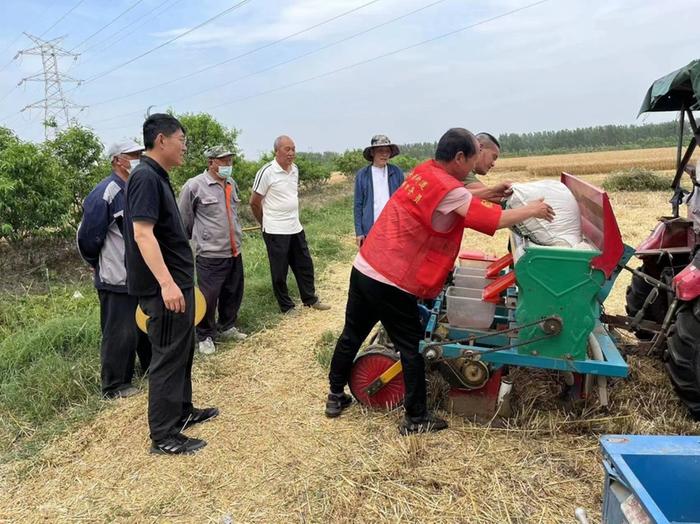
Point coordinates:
[(133, 164), (225, 171)]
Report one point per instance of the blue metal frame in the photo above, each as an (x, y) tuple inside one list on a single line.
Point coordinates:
[(620, 450), (613, 365)]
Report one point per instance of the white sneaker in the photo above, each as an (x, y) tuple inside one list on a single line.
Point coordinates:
[(206, 346), (233, 334)]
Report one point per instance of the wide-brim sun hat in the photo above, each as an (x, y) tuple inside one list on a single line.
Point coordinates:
[(380, 141)]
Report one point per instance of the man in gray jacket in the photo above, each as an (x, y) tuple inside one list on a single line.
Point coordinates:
[(209, 207), (101, 244)]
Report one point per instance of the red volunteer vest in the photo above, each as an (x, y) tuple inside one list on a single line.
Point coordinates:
[(402, 245)]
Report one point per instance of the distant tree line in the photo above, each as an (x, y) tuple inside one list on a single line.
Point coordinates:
[(582, 139), (590, 139)]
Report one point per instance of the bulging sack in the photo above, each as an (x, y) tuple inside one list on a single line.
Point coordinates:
[(565, 229)]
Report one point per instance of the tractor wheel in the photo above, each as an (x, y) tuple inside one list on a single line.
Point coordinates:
[(637, 293), (683, 356), (367, 367)]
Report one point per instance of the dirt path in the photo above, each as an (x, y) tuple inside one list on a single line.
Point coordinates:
[(271, 430)]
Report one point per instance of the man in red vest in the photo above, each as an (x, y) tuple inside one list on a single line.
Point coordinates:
[(407, 256)]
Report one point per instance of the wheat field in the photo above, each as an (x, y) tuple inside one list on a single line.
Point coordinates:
[(659, 159)]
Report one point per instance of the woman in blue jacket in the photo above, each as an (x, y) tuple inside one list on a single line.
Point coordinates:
[(374, 184)]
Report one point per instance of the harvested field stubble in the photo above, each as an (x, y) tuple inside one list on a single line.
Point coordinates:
[(660, 159), (273, 457)]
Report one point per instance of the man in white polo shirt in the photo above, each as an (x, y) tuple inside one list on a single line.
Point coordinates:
[(275, 205)]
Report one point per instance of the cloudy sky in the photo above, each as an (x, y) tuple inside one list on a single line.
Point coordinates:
[(331, 73)]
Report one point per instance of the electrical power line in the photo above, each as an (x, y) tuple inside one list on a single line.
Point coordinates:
[(378, 57), (9, 92), (237, 57), (274, 66), (7, 49), (61, 18), (133, 28), (132, 6), (160, 46), (374, 58)]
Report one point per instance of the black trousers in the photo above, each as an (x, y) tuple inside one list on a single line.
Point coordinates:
[(121, 341), (221, 283), (283, 252), (370, 302), (170, 376)]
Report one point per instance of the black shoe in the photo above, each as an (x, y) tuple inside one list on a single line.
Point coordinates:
[(177, 444), (197, 416), (336, 403), (124, 392), (422, 424)]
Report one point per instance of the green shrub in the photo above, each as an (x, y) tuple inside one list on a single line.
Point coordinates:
[(32, 192), (244, 172), (406, 163), (203, 131), (78, 151), (636, 179), (312, 174), (349, 162), (7, 138)]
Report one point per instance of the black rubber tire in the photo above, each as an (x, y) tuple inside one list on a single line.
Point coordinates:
[(683, 356)]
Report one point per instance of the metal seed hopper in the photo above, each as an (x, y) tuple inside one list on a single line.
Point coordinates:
[(535, 307)]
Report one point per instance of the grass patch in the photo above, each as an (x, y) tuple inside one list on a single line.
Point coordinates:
[(636, 179), (323, 352), (50, 342), (49, 363)]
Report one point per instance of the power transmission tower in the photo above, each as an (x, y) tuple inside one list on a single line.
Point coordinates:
[(55, 104)]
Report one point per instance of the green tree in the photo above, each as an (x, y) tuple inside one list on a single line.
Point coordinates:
[(312, 173), (30, 198), (79, 155), (244, 174), (349, 162), (203, 131), (405, 162), (7, 138)]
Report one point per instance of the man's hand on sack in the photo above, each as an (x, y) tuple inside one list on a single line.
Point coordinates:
[(359, 240), (503, 189), (541, 209)]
